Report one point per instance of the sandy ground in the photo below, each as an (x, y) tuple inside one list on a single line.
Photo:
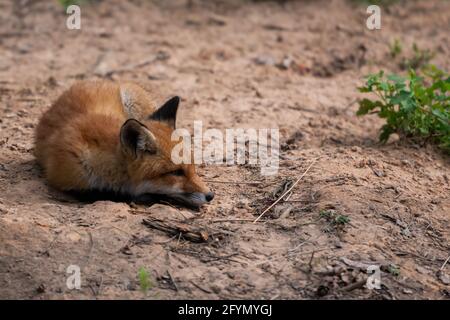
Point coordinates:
[(293, 66)]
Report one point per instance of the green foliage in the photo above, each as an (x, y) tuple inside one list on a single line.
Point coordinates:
[(394, 270), (67, 3), (395, 48), (342, 220), (413, 106), (325, 214), (383, 3), (419, 58), (334, 218), (415, 60), (144, 280)]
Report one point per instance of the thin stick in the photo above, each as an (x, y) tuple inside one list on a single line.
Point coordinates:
[(287, 191), (172, 280), (445, 262), (230, 220), (355, 285), (173, 228), (310, 267), (234, 182), (201, 288), (167, 241)]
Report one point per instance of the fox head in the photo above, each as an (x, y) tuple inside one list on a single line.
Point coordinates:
[(147, 148)]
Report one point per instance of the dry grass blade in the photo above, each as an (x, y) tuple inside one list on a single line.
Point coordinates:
[(355, 285), (445, 262), (234, 182), (173, 228), (285, 193)]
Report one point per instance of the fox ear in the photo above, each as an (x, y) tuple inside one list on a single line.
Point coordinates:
[(167, 112), (135, 138)]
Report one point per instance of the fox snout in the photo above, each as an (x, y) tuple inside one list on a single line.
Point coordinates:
[(209, 196), (196, 193), (195, 199), (204, 197)]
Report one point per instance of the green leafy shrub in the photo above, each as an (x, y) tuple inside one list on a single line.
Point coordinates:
[(413, 106)]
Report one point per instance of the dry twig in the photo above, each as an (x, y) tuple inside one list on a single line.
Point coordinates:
[(234, 182), (174, 228), (285, 193), (445, 262)]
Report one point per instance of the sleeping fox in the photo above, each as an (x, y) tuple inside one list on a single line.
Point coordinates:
[(102, 137)]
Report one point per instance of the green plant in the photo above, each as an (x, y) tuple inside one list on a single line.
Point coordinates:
[(395, 48), (334, 218), (413, 106), (420, 57), (342, 220), (325, 214), (383, 3), (394, 270), (144, 280), (67, 3)]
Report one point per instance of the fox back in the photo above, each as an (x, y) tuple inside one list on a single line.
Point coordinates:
[(101, 136)]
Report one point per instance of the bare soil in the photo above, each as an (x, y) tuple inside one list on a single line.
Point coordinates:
[(293, 66)]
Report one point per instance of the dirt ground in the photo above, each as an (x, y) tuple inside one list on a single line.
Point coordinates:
[(293, 66)]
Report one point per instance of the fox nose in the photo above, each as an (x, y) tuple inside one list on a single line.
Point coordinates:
[(209, 196)]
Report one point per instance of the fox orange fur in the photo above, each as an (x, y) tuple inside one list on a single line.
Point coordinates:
[(110, 137)]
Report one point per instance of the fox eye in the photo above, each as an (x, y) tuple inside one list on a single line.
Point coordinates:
[(178, 173)]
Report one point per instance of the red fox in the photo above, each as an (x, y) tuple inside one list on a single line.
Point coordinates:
[(101, 136)]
